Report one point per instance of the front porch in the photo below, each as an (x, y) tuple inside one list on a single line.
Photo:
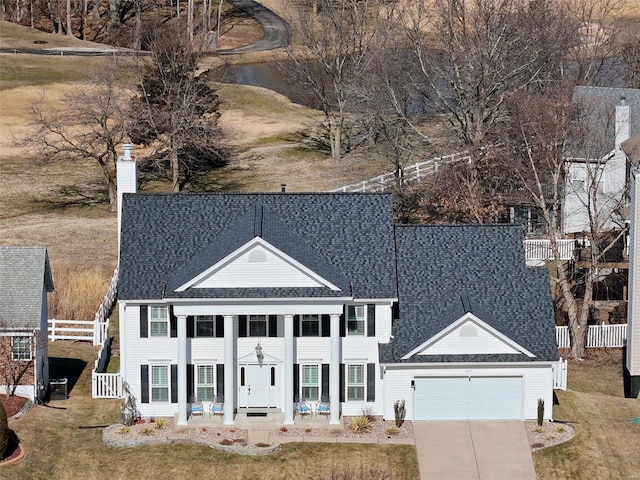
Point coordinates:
[(261, 419)]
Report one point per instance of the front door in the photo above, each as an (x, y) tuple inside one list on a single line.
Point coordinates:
[(254, 386)]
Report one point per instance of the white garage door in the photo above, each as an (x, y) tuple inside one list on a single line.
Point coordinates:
[(468, 398)]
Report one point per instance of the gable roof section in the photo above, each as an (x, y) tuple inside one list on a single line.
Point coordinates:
[(24, 277), (598, 106), (171, 238), (438, 266)]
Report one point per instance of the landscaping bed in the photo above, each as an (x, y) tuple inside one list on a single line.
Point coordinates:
[(378, 429)]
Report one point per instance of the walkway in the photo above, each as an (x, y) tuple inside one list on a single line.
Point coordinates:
[(473, 451)]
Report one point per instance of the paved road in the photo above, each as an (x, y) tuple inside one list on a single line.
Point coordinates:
[(276, 30), (473, 451), (276, 35)]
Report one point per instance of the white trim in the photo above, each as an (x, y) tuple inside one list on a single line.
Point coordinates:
[(447, 365), (466, 318), (245, 248)]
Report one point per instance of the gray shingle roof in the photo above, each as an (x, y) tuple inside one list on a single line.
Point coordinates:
[(444, 271), (598, 105), (168, 238), (24, 276)]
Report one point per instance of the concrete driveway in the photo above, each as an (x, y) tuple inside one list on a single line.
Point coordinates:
[(473, 451)]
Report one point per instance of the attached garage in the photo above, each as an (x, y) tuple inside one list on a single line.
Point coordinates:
[(468, 398)]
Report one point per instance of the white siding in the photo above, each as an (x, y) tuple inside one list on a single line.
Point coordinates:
[(537, 382), (383, 322), (270, 271), (468, 338), (633, 313)]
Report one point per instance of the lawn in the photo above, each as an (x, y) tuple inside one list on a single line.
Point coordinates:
[(57, 447), (607, 444)]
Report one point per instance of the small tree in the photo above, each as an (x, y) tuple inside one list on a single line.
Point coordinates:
[(129, 411), (4, 431)]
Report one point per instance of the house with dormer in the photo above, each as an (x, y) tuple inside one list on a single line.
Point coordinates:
[(266, 298)]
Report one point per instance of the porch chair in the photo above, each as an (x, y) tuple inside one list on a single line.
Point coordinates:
[(302, 407), (217, 406), (196, 407), (324, 406)]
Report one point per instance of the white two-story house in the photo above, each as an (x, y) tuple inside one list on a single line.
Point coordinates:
[(264, 298)]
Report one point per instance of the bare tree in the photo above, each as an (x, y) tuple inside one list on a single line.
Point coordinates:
[(90, 128), (485, 52), (176, 111), (545, 129), (335, 45), (16, 357)]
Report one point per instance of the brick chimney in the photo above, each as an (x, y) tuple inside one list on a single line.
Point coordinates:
[(127, 178)]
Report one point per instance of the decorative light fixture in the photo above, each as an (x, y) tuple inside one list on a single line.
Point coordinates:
[(259, 354)]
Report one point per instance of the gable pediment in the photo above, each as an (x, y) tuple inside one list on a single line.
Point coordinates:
[(257, 264), (469, 335)]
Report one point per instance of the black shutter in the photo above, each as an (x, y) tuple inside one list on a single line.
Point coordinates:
[(191, 396), (296, 381), (325, 380), (220, 379), (191, 323), (343, 325), (371, 382), (219, 326), (173, 323), (342, 385), (273, 325), (325, 325), (144, 381), (144, 321), (174, 383), (371, 320), (296, 325), (242, 325)]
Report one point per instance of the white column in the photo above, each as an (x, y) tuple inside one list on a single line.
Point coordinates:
[(334, 374), (229, 370), (288, 369), (182, 370)]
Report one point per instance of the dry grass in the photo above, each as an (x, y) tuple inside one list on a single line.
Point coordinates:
[(58, 448), (78, 292), (606, 444)]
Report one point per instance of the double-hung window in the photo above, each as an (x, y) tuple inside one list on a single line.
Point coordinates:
[(310, 382), (159, 322), (159, 383), (258, 326), (355, 382), (205, 382), (355, 320), (310, 326), (204, 326), (21, 348)]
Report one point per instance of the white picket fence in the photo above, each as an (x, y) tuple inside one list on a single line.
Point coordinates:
[(100, 332), (105, 385), (409, 174), (598, 336), (70, 330), (560, 375)]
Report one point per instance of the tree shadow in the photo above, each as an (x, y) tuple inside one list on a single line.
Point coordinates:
[(69, 368), (92, 194)]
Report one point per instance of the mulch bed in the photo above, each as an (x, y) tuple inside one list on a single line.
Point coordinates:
[(12, 406)]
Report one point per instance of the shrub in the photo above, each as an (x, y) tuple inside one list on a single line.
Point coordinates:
[(368, 412), (307, 430), (262, 445), (284, 429), (124, 430), (161, 424), (361, 424), (4, 431), (540, 411), (148, 431), (399, 411), (561, 428), (226, 442), (392, 430)]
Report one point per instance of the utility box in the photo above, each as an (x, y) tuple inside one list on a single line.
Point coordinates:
[(58, 389)]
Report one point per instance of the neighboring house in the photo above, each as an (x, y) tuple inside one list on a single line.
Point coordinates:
[(607, 118), (265, 298), (632, 361), (25, 280)]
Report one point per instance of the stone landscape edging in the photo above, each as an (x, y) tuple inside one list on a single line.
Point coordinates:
[(116, 440)]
